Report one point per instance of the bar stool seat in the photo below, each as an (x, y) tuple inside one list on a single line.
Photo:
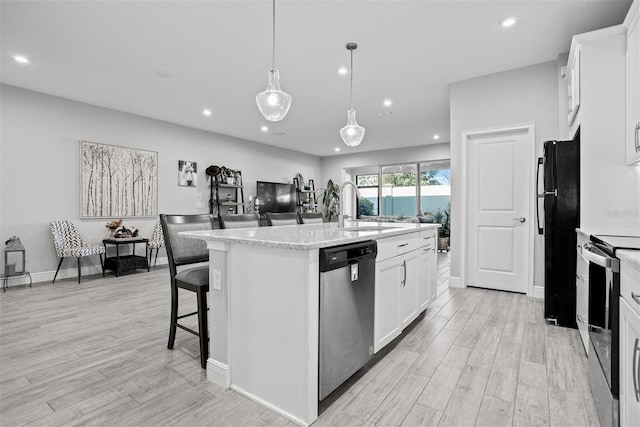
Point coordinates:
[(183, 251)]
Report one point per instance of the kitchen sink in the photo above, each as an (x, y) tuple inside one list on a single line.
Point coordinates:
[(368, 228)]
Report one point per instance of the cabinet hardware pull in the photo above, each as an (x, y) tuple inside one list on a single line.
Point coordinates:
[(635, 297), (636, 373), (636, 141), (404, 267), (404, 244)]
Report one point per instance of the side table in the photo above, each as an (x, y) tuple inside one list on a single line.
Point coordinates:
[(120, 263)]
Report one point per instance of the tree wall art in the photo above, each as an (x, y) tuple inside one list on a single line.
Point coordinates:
[(117, 181)]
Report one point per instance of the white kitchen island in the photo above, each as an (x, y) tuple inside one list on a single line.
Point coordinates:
[(264, 304)]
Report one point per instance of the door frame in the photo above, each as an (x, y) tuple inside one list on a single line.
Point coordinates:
[(466, 137)]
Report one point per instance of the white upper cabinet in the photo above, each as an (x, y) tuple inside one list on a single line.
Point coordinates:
[(633, 85), (573, 87)]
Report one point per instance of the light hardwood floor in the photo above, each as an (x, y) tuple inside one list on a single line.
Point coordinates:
[(95, 354)]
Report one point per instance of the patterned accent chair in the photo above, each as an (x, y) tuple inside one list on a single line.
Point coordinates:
[(69, 244), (156, 242)]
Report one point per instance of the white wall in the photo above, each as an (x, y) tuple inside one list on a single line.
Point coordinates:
[(39, 167), (523, 95)]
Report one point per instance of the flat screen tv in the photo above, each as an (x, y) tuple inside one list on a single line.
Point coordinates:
[(276, 197)]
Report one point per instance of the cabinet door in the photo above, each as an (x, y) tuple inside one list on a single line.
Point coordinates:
[(409, 290), (427, 275), (633, 91), (424, 273), (582, 293), (386, 325), (629, 365)]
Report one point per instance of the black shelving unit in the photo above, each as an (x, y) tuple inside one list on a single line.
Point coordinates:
[(227, 198), (305, 196)]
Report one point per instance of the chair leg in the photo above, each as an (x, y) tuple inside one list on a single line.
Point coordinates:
[(58, 269), (102, 264), (174, 316), (156, 261), (203, 327), (79, 270)]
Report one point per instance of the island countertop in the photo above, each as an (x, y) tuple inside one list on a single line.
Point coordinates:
[(310, 236)]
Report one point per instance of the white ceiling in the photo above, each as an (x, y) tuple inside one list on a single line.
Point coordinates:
[(217, 54)]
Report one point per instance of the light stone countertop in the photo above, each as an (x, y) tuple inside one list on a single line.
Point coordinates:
[(309, 236), (630, 257)]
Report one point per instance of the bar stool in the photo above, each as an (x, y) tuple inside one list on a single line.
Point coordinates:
[(285, 218), (182, 251)]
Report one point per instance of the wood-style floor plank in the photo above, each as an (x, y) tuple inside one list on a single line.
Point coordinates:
[(95, 354)]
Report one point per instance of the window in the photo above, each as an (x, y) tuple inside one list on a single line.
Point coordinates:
[(435, 188), (395, 190), (368, 186), (399, 190)]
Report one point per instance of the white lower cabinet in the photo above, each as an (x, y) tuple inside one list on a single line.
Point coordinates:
[(405, 285), (409, 289), (427, 275), (387, 300), (629, 365)]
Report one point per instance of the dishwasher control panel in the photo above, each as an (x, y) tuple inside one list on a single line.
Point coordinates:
[(343, 255)]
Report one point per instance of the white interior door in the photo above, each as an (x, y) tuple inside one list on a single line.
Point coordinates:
[(498, 208)]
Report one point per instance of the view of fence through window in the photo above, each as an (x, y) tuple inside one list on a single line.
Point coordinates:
[(394, 191)]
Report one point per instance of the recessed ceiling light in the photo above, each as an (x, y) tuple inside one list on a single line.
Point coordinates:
[(264, 128), (336, 149), (21, 59), (509, 22), (342, 71), (436, 136), (387, 102), (206, 112)]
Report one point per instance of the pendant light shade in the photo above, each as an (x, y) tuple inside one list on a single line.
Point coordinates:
[(273, 103), (352, 133)]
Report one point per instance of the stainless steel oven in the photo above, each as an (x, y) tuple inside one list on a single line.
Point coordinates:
[(604, 321)]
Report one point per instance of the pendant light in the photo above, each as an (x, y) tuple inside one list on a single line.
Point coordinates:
[(352, 133), (273, 103)]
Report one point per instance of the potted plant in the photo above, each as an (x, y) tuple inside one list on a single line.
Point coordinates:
[(330, 201), (443, 218)]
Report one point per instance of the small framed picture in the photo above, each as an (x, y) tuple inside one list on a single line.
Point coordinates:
[(187, 173)]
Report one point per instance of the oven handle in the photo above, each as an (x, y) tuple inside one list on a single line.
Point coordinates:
[(596, 256)]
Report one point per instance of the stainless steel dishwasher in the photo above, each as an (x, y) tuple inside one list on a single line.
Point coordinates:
[(347, 281)]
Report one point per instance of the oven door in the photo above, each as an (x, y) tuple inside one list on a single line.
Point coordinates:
[(604, 294)]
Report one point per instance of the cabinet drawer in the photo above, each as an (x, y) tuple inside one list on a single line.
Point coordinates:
[(630, 286), (397, 245), (427, 237)]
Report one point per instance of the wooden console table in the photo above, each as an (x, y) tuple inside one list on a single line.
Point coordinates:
[(120, 263)]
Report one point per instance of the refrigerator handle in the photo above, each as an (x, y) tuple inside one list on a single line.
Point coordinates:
[(539, 195)]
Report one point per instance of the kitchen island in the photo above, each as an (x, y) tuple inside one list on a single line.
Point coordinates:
[(264, 303)]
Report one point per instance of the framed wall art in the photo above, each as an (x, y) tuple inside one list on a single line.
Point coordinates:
[(117, 181), (187, 173)]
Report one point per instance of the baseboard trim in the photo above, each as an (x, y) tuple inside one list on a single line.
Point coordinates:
[(538, 292), (68, 273), (218, 373), (270, 406), (455, 282)]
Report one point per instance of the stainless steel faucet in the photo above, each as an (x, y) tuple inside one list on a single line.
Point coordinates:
[(342, 215)]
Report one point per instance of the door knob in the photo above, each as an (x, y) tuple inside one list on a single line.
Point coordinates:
[(521, 219)]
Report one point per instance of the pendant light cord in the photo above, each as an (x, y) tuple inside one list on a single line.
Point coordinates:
[(273, 57), (351, 89)]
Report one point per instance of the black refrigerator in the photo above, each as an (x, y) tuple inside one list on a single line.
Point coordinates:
[(558, 215)]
